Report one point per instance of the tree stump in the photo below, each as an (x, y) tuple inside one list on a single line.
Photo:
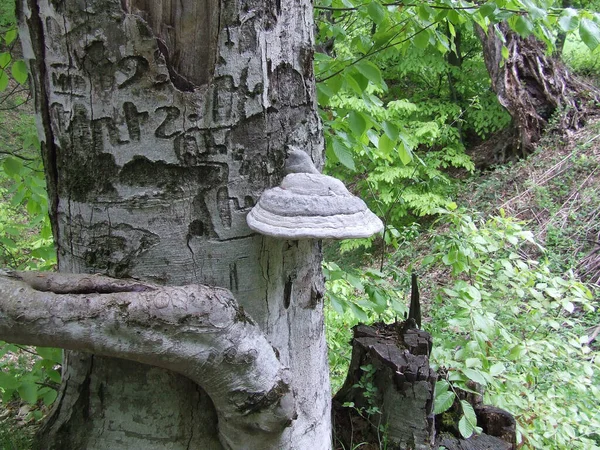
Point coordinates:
[(387, 398), (390, 385)]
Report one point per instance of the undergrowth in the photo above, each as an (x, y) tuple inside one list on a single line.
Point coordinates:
[(555, 190), (503, 293), (506, 322), (29, 376)]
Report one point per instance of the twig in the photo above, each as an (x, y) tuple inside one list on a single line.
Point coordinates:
[(371, 53), (595, 332), (16, 155)]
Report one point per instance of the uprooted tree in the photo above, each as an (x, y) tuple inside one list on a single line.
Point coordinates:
[(534, 87), (161, 124)]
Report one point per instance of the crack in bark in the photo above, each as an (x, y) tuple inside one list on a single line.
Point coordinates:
[(39, 77)]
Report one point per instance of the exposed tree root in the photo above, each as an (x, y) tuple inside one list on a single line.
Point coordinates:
[(534, 87)]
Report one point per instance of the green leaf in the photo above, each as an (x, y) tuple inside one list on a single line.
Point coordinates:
[(10, 36), (488, 9), (454, 17), (28, 391), (376, 12), (358, 312), (424, 12), (360, 80), (469, 412), (589, 33), (49, 397), (505, 52), (335, 83), (568, 21), (51, 354), (404, 152), (357, 123), (384, 36), (475, 376), (443, 402), (428, 260), (371, 72), (497, 369), (362, 44), (386, 145), (468, 422), (353, 84), (8, 382), (517, 352), (3, 80), (465, 428), (373, 137), (324, 93), (523, 26), (441, 386), (354, 281), (453, 33), (54, 375), (391, 130), (337, 303), (31, 140), (534, 11), (4, 60), (473, 362), (421, 39), (33, 208), (473, 292), (12, 166), (8, 243), (377, 297), (343, 154)]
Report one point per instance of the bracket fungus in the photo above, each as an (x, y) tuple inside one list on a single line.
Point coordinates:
[(310, 205)]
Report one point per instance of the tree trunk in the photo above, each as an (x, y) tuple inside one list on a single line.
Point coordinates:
[(161, 124), (533, 87)]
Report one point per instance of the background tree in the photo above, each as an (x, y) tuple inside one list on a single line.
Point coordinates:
[(399, 109), (161, 123), (533, 86)]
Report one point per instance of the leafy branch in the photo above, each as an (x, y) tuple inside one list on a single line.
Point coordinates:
[(374, 51)]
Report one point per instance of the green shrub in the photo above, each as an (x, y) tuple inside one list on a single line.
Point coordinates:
[(520, 330), (579, 58)]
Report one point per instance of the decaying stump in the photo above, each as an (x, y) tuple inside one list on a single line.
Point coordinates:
[(498, 425), (403, 393), (477, 442), (388, 397), (533, 87)]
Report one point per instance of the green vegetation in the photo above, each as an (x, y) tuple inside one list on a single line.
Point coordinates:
[(404, 96), (26, 373), (509, 323)]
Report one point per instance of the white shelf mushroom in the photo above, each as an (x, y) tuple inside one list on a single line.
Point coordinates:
[(310, 205)]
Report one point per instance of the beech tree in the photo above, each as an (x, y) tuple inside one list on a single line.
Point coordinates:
[(161, 124)]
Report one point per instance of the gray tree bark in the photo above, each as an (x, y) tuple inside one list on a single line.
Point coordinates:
[(161, 124), (197, 331)]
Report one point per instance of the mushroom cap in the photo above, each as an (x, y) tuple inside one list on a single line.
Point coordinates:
[(312, 206)]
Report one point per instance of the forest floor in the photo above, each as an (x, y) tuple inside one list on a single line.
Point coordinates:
[(557, 191)]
